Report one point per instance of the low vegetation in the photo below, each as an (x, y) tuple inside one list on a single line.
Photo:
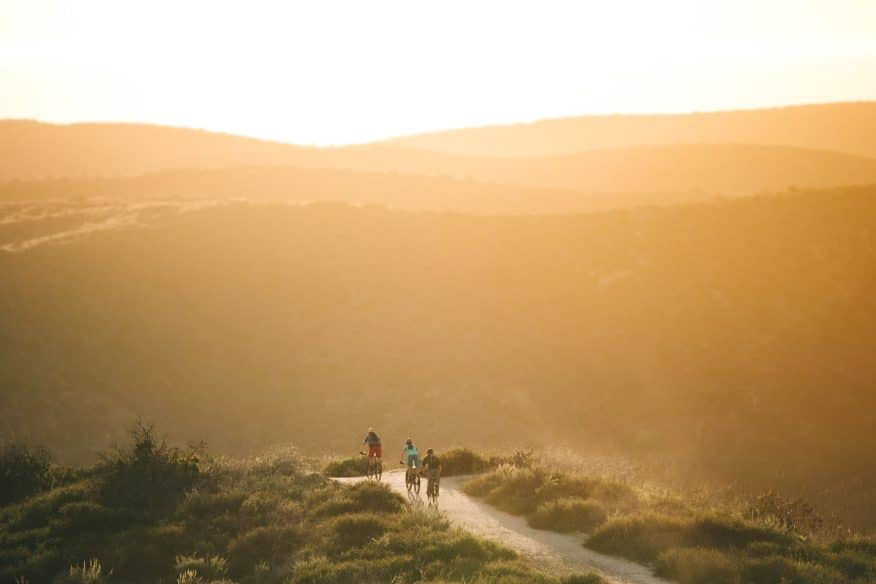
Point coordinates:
[(150, 513), (354, 466), (764, 541)]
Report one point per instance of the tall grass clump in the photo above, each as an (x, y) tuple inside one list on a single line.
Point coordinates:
[(354, 466), (568, 514), (462, 461), (550, 500)]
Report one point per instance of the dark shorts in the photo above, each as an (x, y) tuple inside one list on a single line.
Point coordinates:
[(375, 450)]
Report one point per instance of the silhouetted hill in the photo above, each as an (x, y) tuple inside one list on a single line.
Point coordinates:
[(32, 150), (733, 337), (843, 127)]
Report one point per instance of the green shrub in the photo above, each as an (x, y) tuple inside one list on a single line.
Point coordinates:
[(857, 543), (567, 515), (582, 579), (355, 466), (855, 565), (37, 511), (643, 537), (356, 530), (84, 517), (365, 497), (484, 485), (270, 544), (781, 569), (639, 537), (209, 568), (24, 471), (723, 532), (198, 506), (698, 566), (460, 544), (462, 461), (146, 553), (148, 477), (523, 491)]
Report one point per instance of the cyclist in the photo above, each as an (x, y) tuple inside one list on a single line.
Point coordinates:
[(410, 455), (375, 451), (431, 466)]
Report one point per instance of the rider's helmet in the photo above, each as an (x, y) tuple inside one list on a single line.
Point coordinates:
[(430, 451), (370, 429), (409, 442)]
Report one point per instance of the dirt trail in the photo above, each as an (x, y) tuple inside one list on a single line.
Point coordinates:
[(556, 553)]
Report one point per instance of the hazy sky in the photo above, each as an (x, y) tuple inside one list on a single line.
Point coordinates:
[(338, 72)]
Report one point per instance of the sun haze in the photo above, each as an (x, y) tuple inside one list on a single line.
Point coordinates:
[(347, 72)]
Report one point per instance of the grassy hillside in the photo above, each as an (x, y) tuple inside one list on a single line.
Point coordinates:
[(734, 338), (843, 127), (691, 540), (152, 513)]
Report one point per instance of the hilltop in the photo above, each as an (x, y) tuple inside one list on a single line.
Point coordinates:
[(842, 127)]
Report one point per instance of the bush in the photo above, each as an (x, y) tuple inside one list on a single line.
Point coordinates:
[(84, 517), (722, 532), (698, 566), (567, 515), (24, 471), (356, 466), (643, 537), (640, 537), (38, 510), (148, 477), (207, 569), (270, 544), (582, 579), (356, 530), (462, 461), (780, 569), (523, 491), (366, 497), (484, 485)]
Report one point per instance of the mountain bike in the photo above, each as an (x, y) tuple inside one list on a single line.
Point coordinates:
[(432, 487), (375, 467), (412, 479)]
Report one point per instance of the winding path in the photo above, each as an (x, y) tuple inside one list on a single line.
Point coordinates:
[(556, 553)]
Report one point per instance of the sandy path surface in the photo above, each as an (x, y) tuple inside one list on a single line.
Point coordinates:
[(556, 553)]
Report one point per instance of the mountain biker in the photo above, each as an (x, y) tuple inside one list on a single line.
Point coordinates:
[(431, 465), (374, 448), (410, 454)]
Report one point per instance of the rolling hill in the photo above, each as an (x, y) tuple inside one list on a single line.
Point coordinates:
[(93, 151), (843, 127)]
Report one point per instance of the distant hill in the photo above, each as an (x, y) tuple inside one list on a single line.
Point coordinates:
[(739, 333), (843, 127), (30, 150), (293, 184)]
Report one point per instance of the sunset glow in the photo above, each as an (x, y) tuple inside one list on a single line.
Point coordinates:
[(344, 72)]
